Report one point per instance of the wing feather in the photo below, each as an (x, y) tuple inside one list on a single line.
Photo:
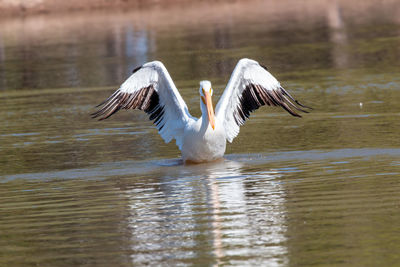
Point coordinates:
[(150, 89), (250, 87)]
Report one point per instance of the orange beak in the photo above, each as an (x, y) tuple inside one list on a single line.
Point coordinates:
[(210, 109)]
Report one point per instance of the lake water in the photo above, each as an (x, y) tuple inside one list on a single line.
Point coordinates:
[(317, 191)]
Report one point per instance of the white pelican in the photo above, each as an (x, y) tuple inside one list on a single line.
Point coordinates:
[(151, 89)]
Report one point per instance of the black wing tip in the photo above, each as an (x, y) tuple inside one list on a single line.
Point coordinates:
[(264, 67), (97, 114), (292, 112), (145, 99), (294, 100), (259, 96), (137, 68), (296, 115), (304, 106)]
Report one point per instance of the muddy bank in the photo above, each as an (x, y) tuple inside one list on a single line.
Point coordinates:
[(27, 7), (15, 8)]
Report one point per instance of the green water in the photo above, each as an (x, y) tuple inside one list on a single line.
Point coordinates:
[(322, 190)]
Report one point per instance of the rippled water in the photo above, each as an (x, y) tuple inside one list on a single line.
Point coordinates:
[(321, 190)]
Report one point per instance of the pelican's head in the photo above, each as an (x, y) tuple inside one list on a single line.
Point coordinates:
[(205, 94)]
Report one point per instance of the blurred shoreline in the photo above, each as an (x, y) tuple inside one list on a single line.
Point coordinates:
[(12, 8), (72, 46), (22, 8)]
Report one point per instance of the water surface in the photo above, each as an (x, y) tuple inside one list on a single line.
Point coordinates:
[(320, 190)]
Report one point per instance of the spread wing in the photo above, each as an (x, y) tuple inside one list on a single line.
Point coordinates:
[(250, 87), (151, 89)]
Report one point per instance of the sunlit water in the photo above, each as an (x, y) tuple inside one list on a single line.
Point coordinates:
[(320, 190)]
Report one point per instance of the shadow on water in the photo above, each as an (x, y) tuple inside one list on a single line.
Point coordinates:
[(224, 169)]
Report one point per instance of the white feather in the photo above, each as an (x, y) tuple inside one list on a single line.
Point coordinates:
[(176, 114), (246, 71)]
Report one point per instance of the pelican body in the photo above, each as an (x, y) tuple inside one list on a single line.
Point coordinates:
[(151, 89), (204, 138)]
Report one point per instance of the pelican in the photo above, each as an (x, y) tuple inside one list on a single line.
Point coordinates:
[(150, 88)]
